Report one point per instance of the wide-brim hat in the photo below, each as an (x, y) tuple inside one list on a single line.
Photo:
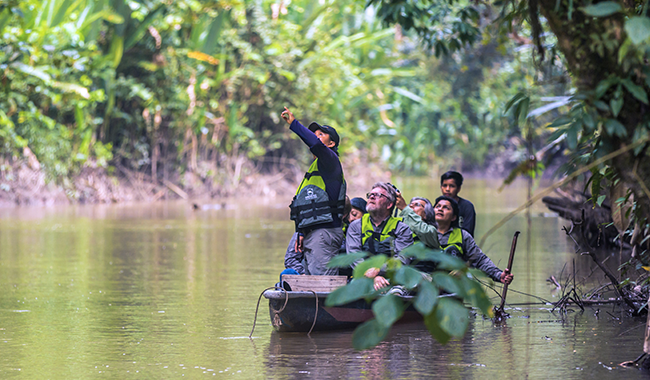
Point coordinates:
[(328, 130)]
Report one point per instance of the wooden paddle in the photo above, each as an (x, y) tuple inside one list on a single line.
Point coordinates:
[(512, 256)]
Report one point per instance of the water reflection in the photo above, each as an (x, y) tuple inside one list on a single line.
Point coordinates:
[(409, 352)]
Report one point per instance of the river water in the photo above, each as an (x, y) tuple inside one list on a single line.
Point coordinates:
[(165, 291)]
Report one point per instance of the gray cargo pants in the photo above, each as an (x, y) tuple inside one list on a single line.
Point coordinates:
[(319, 247)]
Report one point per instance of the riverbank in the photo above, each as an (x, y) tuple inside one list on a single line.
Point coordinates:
[(23, 182)]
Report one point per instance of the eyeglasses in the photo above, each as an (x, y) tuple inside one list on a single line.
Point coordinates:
[(376, 195), (416, 204)]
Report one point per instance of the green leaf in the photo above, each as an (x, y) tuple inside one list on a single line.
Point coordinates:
[(72, 87), (616, 104), (521, 112), (431, 321), (368, 335), (33, 71), (63, 9), (640, 133), (417, 250), (376, 261), (427, 298), (453, 317), (445, 261), (600, 200), (515, 99), (448, 283), (614, 127), (604, 85), (596, 178), (638, 29), (211, 41), (601, 105), (388, 309), (588, 120), (636, 90), (572, 137), (408, 277), (137, 34), (356, 289), (475, 295), (560, 121), (625, 48), (604, 9), (346, 260)]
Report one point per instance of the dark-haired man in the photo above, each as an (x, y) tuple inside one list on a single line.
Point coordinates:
[(318, 205), (450, 184), (458, 242)]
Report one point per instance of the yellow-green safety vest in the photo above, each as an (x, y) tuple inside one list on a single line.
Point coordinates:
[(312, 205), (378, 242), (454, 246)]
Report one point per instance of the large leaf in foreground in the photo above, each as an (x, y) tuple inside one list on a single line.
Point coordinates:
[(408, 277), (475, 294), (388, 309), (444, 260), (449, 283), (452, 316), (346, 260), (368, 335), (431, 321), (427, 298), (356, 289), (376, 261)]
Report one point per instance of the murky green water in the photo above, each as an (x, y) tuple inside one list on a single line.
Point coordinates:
[(164, 291)]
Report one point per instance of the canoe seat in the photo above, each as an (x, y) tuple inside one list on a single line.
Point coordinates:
[(315, 283)]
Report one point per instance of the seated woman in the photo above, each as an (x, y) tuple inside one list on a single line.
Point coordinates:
[(420, 218), (458, 242)]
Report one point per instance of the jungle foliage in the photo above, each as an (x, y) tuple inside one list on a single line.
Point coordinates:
[(171, 88)]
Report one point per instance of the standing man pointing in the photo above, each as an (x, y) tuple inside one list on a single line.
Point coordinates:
[(318, 205)]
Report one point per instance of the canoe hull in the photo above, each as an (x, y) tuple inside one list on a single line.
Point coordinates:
[(300, 310)]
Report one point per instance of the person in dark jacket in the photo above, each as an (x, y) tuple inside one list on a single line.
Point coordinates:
[(317, 207), (450, 184)]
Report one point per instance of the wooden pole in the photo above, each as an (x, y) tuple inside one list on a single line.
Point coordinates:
[(512, 256)]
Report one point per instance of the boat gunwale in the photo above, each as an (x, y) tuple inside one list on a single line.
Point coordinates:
[(280, 294)]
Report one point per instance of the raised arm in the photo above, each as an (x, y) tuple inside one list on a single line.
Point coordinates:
[(427, 233)]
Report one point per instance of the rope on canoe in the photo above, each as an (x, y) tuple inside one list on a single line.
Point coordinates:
[(315, 315), (286, 300)]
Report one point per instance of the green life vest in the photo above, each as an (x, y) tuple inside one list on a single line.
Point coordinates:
[(312, 205), (378, 242), (454, 246)]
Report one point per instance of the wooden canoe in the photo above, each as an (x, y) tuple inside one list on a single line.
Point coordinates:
[(297, 309)]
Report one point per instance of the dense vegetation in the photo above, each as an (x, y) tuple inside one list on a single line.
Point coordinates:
[(192, 91)]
